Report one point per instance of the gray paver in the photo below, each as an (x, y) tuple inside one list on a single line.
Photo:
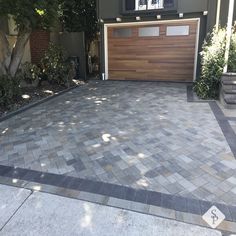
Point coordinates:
[(143, 135)]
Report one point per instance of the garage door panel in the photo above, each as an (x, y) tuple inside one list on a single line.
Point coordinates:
[(153, 58)]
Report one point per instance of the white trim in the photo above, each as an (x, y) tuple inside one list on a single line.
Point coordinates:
[(196, 50), (229, 33), (148, 22), (218, 14), (106, 26), (106, 51)]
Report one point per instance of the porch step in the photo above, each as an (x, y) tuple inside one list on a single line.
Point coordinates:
[(228, 90), (228, 77)]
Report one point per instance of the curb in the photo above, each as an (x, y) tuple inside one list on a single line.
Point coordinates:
[(34, 104)]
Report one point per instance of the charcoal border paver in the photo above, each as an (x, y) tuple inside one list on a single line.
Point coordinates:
[(166, 201)]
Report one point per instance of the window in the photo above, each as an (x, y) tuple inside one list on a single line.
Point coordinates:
[(122, 33), (148, 4), (168, 3), (149, 32), (140, 5), (177, 30)]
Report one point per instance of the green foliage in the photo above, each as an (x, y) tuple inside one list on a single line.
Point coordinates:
[(29, 72), (213, 62), (78, 16), (9, 90), (232, 54), (30, 14), (53, 65)]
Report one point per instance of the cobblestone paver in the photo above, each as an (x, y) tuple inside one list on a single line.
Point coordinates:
[(143, 135)]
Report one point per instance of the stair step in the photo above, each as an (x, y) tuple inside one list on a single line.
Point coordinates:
[(230, 98), (229, 91), (228, 87), (228, 77)]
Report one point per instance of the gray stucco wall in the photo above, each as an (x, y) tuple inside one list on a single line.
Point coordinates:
[(186, 6), (111, 8)]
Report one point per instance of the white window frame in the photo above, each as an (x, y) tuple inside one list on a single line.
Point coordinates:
[(149, 6), (179, 30), (158, 5)]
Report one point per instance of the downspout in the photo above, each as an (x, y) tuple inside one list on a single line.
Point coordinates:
[(229, 33), (218, 15)]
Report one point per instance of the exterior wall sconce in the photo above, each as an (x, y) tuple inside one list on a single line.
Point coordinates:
[(205, 13), (158, 17), (118, 19), (181, 15), (138, 18)]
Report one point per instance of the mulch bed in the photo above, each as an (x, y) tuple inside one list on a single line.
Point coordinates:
[(31, 95)]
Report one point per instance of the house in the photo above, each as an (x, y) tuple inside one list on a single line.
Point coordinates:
[(155, 39)]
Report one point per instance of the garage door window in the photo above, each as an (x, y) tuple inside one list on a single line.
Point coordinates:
[(122, 33), (149, 32), (177, 30)]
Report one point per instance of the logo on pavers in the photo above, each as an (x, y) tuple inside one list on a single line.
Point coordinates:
[(214, 217)]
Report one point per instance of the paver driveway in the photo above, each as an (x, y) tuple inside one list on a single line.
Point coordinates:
[(144, 135)]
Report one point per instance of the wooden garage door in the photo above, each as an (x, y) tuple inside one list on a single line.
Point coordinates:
[(152, 52)]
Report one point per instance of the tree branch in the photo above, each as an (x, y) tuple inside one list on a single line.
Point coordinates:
[(18, 52), (5, 53)]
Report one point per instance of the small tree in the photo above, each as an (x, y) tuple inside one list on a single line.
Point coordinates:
[(213, 62), (78, 16), (28, 15), (232, 54)]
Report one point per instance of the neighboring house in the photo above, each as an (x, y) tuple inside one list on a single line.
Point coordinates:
[(155, 39)]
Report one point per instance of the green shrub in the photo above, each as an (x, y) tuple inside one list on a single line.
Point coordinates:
[(232, 54), (9, 90), (53, 65), (29, 72), (213, 62)]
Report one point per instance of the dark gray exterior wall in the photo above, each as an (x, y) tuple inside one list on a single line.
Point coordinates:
[(109, 10)]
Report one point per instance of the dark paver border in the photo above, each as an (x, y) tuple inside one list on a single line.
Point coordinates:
[(34, 104), (171, 202), (222, 120), (225, 126)]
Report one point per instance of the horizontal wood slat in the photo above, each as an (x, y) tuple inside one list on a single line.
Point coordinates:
[(168, 58)]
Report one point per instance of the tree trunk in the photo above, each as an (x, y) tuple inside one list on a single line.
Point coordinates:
[(5, 53), (18, 52)]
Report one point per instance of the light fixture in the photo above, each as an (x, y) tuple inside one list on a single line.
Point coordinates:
[(181, 15), (101, 20), (138, 18), (158, 17), (118, 19), (205, 13)]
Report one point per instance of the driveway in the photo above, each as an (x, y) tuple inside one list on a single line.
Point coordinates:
[(141, 135)]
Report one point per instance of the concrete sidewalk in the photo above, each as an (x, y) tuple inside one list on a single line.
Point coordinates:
[(23, 212)]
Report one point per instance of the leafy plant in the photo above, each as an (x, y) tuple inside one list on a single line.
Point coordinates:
[(213, 62), (232, 54), (53, 65), (9, 90), (30, 72)]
